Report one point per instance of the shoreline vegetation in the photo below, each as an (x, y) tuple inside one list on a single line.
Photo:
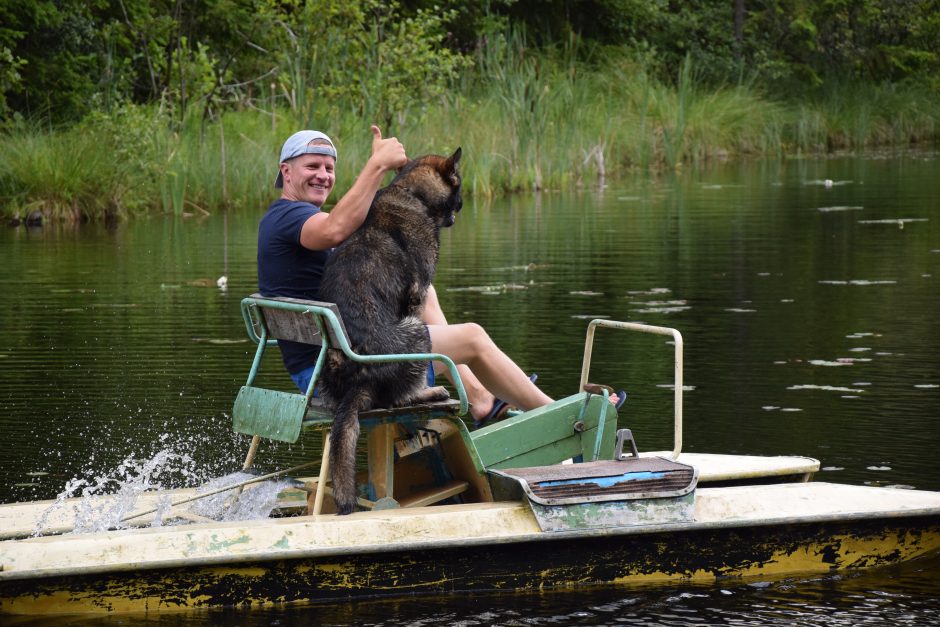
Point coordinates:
[(529, 117)]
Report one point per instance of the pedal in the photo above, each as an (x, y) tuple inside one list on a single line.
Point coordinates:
[(420, 439)]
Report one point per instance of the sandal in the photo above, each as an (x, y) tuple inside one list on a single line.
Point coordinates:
[(500, 407), (596, 388)]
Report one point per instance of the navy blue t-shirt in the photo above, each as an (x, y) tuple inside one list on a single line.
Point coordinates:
[(286, 268)]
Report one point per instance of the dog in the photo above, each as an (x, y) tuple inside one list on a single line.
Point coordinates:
[(379, 278)]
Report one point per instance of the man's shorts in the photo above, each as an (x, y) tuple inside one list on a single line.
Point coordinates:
[(302, 379)]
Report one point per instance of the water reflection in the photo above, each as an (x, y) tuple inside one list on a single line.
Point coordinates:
[(900, 596), (807, 311)]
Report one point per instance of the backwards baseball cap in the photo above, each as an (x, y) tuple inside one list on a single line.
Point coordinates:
[(302, 143)]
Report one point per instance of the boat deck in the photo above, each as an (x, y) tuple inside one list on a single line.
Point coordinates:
[(433, 527), (713, 467), (18, 520)]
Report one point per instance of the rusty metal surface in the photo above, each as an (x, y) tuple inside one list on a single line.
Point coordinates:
[(671, 482), (646, 476), (608, 468)]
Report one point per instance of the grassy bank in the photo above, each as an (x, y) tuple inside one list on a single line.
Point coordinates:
[(525, 121)]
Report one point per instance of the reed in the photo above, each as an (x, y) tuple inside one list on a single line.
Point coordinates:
[(527, 119), (850, 115), (64, 175)]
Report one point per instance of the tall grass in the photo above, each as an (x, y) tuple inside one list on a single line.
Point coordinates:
[(62, 175), (852, 116), (527, 119)]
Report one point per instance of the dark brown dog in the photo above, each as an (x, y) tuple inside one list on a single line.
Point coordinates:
[(379, 278)]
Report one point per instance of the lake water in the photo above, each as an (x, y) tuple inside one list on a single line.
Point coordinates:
[(808, 312)]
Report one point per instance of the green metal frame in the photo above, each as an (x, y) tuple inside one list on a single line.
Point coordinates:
[(576, 426), (581, 426), (280, 415)]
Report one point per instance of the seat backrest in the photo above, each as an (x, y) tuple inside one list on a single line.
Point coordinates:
[(278, 415), (271, 413), (294, 319)]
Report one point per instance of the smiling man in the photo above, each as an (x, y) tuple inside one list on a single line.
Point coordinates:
[(306, 175), (295, 239)]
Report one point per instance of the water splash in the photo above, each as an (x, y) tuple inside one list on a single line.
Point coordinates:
[(106, 500), (255, 501)]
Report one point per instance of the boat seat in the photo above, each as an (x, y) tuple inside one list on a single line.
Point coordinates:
[(279, 415)]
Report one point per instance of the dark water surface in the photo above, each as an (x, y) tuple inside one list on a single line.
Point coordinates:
[(808, 313)]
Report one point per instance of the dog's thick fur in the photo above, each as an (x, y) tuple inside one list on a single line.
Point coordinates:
[(379, 278)]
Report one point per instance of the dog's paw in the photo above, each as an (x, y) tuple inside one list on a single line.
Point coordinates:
[(345, 510), (430, 395)]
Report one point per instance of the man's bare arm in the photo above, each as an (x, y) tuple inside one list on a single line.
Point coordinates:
[(326, 230)]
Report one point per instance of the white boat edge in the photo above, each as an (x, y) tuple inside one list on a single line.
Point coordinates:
[(431, 527)]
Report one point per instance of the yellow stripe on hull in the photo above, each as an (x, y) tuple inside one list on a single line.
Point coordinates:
[(691, 554)]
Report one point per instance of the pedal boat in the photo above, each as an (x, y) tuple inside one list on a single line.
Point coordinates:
[(557, 497)]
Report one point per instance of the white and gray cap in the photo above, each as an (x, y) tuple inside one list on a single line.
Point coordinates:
[(302, 143)]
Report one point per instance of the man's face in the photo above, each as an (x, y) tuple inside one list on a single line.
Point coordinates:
[(309, 178)]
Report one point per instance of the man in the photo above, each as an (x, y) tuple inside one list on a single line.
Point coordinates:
[(295, 238)]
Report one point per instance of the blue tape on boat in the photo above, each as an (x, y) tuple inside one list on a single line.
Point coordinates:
[(606, 482)]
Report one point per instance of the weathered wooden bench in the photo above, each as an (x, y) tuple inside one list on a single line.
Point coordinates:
[(278, 415)]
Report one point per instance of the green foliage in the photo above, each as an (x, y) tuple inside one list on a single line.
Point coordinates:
[(180, 106), (51, 48), (799, 45), (385, 60), (359, 55), (10, 77)]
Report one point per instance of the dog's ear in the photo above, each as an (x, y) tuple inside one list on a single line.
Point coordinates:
[(453, 160)]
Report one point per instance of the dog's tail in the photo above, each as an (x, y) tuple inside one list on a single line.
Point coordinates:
[(343, 438)]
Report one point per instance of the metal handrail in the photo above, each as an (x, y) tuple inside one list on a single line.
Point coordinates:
[(642, 328)]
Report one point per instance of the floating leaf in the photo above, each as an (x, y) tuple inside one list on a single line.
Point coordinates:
[(665, 310), (827, 182), (828, 388), (651, 292), (212, 340), (489, 289), (859, 282), (900, 221)]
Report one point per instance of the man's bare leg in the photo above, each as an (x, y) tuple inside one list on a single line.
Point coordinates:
[(481, 399), (484, 369), (469, 344)]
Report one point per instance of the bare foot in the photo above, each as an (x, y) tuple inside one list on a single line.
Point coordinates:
[(612, 396)]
